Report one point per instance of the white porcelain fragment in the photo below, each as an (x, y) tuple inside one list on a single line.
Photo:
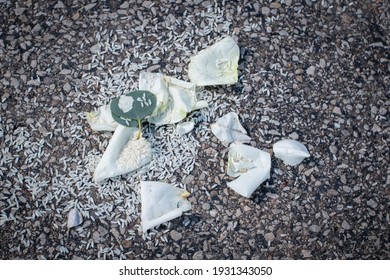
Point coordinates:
[(252, 166), (161, 202), (101, 119), (74, 218), (123, 154), (215, 65), (228, 129), (290, 151), (175, 98), (184, 127)]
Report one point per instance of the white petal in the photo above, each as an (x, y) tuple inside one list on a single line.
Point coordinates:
[(155, 83), (101, 119), (161, 202), (185, 127), (74, 218), (215, 65), (175, 98), (109, 166), (254, 167), (228, 129), (290, 151)]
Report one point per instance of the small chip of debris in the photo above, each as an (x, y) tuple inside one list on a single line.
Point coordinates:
[(315, 228), (274, 5), (306, 253), (176, 236), (372, 203), (345, 225), (67, 87), (269, 236), (65, 71), (59, 5), (310, 71), (89, 6), (198, 256), (265, 10)]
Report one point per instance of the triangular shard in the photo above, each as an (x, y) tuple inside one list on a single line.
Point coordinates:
[(74, 218)]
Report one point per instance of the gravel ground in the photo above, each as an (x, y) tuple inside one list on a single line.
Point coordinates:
[(315, 71)]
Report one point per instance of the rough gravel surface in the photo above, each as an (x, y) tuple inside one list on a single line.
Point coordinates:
[(314, 71)]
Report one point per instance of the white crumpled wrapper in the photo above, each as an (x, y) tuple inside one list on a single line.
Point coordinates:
[(290, 151), (109, 165), (161, 202), (228, 129), (252, 166)]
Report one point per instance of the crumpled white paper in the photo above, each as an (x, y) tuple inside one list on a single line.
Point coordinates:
[(161, 202), (175, 98), (101, 119), (228, 129), (111, 163), (290, 151), (215, 65), (252, 166)]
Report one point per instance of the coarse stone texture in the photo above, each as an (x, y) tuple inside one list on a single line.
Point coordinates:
[(314, 71)]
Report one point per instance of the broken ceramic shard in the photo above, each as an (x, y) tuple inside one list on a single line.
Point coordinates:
[(290, 151), (184, 127), (74, 218), (101, 119), (175, 98), (252, 166), (228, 129), (215, 65), (161, 202), (124, 153)]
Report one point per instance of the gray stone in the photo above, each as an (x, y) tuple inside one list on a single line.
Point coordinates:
[(67, 87), (176, 236), (265, 10), (89, 6), (59, 5), (372, 203), (189, 179), (345, 225), (206, 206), (315, 228), (311, 70), (306, 253), (274, 5), (198, 256), (65, 71), (19, 11), (269, 236), (115, 233)]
